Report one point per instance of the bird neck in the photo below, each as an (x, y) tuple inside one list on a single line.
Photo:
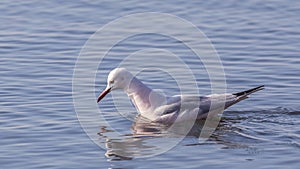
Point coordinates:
[(144, 98)]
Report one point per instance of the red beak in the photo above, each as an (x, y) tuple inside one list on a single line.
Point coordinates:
[(104, 93)]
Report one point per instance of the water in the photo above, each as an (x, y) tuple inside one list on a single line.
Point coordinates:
[(258, 43)]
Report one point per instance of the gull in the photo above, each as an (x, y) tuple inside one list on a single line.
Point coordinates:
[(158, 108)]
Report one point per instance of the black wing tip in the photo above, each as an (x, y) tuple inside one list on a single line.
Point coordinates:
[(257, 88), (247, 92)]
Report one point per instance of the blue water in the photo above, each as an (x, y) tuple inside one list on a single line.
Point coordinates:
[(258, 43)]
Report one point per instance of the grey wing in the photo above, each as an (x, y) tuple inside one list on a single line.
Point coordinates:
[(217, 103), (195, 106), (214, 104), (188, 107)]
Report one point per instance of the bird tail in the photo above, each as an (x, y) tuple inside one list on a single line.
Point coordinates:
[(243, 95), (250, 91)]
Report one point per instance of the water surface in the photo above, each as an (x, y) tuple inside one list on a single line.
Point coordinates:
[(258, 43)]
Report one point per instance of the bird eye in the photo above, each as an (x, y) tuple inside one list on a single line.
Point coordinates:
[(111, 81)]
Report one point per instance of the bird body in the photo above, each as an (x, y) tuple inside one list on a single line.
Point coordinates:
[(159, 108)]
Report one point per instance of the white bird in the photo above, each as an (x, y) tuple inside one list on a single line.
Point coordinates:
[(158, 108)]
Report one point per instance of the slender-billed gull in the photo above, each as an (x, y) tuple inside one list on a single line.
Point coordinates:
[(159, 108)]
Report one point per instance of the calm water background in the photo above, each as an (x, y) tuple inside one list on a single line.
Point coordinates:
[(258, 42)]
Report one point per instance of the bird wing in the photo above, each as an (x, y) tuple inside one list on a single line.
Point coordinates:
[(187, 107)]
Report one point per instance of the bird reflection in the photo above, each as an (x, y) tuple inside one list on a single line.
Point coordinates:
[(143, 127), (148, 138)]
